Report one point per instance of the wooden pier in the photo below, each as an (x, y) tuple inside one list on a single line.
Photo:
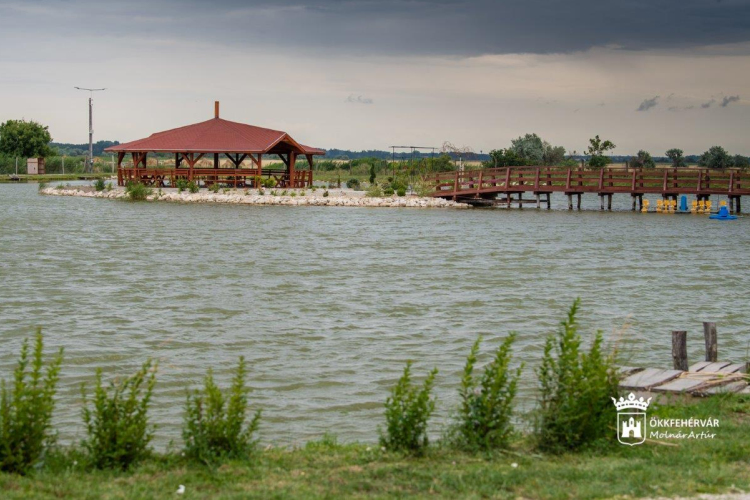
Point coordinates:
[(704, 378), (509, 185)]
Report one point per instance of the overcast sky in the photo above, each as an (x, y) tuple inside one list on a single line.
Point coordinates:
[(370, 74)]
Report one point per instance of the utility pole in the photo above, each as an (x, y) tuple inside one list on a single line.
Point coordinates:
[(91, 125)]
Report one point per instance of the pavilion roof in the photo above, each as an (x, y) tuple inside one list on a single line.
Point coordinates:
[(218, 136)]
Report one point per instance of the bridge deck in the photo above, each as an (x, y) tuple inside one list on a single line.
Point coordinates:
[(487, 183)]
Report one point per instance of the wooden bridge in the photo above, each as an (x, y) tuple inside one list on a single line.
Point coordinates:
[(498, 185)]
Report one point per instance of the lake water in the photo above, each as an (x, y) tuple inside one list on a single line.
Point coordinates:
[(327, 304)]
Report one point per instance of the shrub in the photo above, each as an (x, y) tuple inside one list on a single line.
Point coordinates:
[(193, 187), (487, 403), (109, 186), (41, 186), (407, 411), (325, 194), (353, 183), (261, 192), (215, 424), (374, 191), (99, 184), (424, 187), (118, 433), (214, 187), (26, 409), (293, 194), (575, 408), (137, 191), (60, 186), (269, 183), (401, 191), (181, 185), (388, 191)]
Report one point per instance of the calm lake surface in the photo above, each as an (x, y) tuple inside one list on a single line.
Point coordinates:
[(327, 304)]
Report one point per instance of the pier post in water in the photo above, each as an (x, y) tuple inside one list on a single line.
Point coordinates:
[(609, 202), (679, 350), (712, 347), (579, 201), (570, 202), (601, 202)]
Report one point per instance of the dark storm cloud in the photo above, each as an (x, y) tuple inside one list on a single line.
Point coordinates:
[(727, 100), (448, 27), (648, 103)]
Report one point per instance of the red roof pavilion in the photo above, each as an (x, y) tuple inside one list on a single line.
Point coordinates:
[(237, 141)]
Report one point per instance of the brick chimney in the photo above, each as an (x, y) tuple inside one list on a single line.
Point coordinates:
[(216, 109)]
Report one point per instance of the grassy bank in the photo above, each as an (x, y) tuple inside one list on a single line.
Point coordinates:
[(325, 469), (55, 177)]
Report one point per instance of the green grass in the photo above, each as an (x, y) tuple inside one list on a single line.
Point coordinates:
[(324, 469), (56, 177)]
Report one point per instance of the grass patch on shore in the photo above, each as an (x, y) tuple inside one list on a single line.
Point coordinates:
[(56, 177), (325, 469)]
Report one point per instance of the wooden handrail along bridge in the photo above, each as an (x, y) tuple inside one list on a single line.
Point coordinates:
[(483, 187)]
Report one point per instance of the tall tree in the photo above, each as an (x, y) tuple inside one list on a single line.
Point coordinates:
[(597, 149), (741, 161), (678, 160), (716, 157), (24, 139), (642, 160)]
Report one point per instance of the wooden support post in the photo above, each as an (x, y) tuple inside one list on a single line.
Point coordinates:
[(634, 199), (640, 202), (216, 160), (520, 200), (292, 175), (538, 201), (712, 348), (579, 201), (549, 201), (738, 208), (601, 202), (570, 202), (679, 350), (609, 202)]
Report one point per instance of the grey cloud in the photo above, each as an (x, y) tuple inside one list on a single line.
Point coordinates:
[(358, 99), (728, 100), (444, 27), (648, 104), (708, 104)]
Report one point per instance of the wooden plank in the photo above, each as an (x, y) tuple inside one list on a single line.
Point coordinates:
[(715, 367), (624, 371), (734, 368), (699, 366), (648, 378), (680, 385), (725, 388)]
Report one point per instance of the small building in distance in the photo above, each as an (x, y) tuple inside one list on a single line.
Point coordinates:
[(35, 166)]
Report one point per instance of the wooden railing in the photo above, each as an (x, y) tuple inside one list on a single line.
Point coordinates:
[(234, 177), (667, 181)]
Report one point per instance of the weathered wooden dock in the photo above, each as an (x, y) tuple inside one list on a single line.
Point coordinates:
[(505, 186), (704, 378)]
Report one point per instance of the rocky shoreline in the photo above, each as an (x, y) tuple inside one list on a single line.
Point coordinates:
[(335, 198)]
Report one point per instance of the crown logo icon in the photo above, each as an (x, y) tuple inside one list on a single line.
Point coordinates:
[(631, 403)]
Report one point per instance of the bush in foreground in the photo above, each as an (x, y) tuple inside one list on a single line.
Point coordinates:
[(118, 433), (215, 425), (575, 406), (26, 409), (484, 417), (99, 184), (353, 183), (407, 411)]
